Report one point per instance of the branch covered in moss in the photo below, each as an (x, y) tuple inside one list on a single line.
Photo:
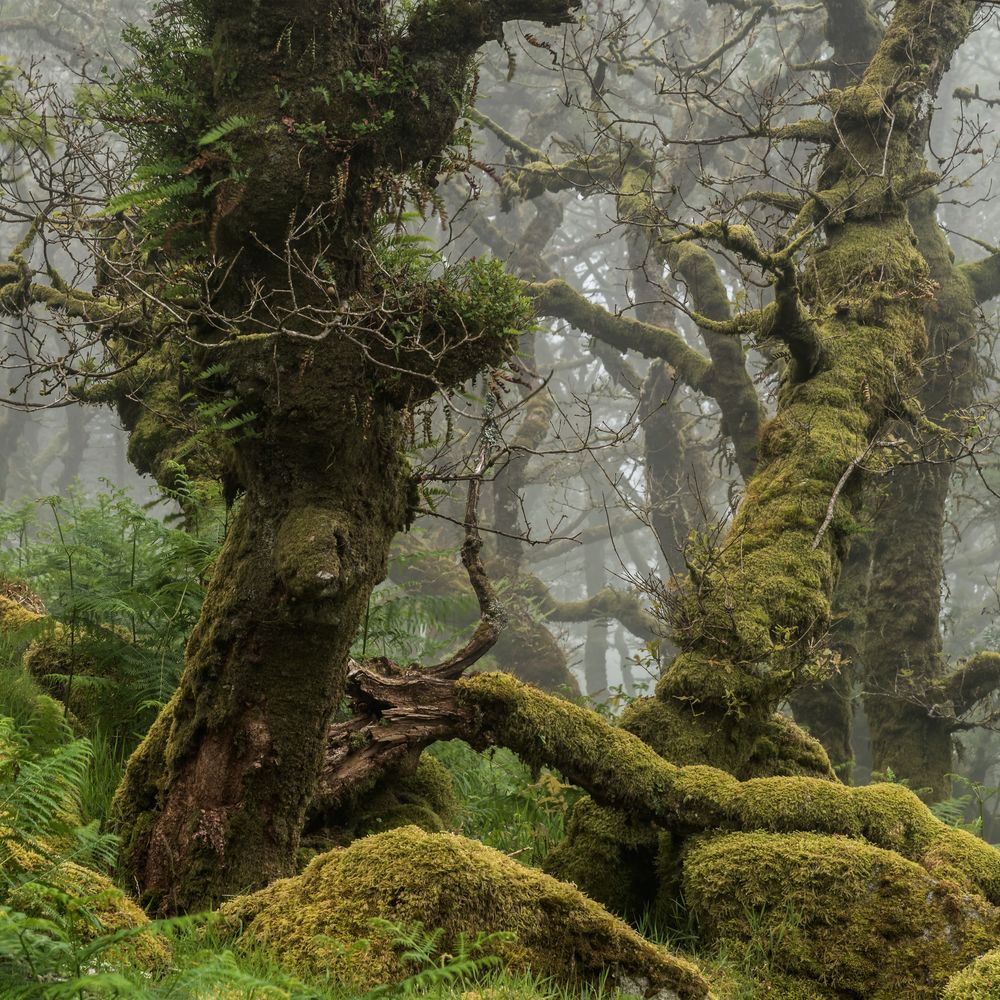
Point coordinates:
[(620, 770), (621, 606), (467, 25), (557, 298), (985, 277), (975, 679)]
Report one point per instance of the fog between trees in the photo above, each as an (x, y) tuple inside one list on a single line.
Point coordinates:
[(609, 383)]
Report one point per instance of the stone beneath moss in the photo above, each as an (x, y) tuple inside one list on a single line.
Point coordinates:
[(445, 881), (90, 905), (978, 981), (850, 916)]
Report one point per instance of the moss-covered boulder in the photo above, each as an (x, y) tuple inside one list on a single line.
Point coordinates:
[(978, 981), (853, 917), (315, 920), (14, 616), (89, 905)]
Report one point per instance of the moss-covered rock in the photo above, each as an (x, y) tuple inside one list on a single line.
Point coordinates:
[(461, 886), (848, 915), (425, 798), (978, 981), (89, 905)]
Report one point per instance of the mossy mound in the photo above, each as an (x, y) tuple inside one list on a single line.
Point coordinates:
[(609, 856), (89, 905), (424, 797), (677, 735), (405, 876), (978, 981), (19, 606), (851, 916)]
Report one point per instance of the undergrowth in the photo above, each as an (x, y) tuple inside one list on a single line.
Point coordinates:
[(503, 804)]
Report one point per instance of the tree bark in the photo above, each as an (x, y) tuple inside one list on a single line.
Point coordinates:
[(213, 800), (903, 654)]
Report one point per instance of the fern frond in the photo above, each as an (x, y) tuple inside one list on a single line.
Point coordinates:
[(230, 124)]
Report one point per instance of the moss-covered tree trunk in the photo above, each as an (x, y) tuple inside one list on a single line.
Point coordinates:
[(903, 655), (213, 800), (826, 710), (758, 606), (338, 103)]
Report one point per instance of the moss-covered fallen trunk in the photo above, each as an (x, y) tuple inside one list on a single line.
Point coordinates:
[(618, 769), (315, 920)]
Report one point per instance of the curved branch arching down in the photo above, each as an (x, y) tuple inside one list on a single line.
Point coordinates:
[(401, 711)]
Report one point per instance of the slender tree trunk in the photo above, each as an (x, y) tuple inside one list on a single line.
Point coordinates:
[(77, 434), (595, 649)]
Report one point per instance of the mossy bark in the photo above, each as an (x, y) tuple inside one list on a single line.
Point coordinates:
[(826, 710), (903, 655), (213, 800), (758, 604)]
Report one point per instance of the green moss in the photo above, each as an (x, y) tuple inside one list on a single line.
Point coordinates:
[(851, 916), (424, 797), (978, 981), (14, 615), (432, 785), (459, 885), (308, 551), (676, 734), (625, 863), (609, 857), (90, 905), (620, 770)]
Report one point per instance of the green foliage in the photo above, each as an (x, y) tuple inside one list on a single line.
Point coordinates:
[(220, 131), (20, 126), (437, 968), (40, 807), (404, 625), (123, 592), (503, 805), (955, 810)]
